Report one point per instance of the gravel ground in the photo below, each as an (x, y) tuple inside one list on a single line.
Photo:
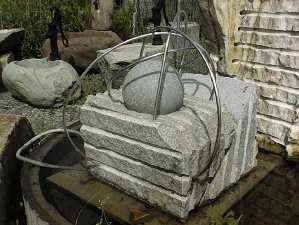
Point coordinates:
[(41, 119)]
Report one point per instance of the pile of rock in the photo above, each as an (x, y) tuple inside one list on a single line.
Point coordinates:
[(163, 162)]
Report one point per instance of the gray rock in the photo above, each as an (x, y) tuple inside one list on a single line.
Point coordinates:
[(102, 15), (134, 153), (276, 128), (155, 156), (140, 87), (82, 48), (156, 196), (40, 82), (127, 54), (10, 39), (239, 98), (278, 110), (170, 181)]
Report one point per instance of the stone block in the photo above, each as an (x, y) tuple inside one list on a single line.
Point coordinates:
[(277, 110), (152, 155), (270, 21), (271, 6), (271, 57), (14, 132), (275, 128), (133, 153), (276, 92), (169, 181), (270, 40), (269, 74)]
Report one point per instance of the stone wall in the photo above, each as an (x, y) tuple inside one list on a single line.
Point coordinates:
[(261, 46)]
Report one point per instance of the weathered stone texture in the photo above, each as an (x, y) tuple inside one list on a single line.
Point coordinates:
[(270, 21), (270, 6), (278, 110), (162, 161), (14, 132)]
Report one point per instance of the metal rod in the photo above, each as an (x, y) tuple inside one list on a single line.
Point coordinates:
[(161, 80)]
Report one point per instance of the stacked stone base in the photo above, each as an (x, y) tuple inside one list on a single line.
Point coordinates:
[(166, 162)]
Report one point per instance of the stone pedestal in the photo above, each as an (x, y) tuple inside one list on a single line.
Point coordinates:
[(163, 162), (14, 132)]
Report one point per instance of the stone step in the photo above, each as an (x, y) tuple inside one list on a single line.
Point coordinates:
[(270, 21), (278, 110), (170, 181), (268, 39), (269, 57), (271, 6), (269, 74), (275, 92)]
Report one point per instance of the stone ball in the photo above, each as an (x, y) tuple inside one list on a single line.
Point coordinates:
[(141, 83)]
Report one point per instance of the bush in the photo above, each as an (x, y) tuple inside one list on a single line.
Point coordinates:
[(122, 21), (34, 16)]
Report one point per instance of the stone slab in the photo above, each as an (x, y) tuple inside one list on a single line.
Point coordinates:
[(266, 56), (269, 74), (155, 156), (120, 205), (156, 196), (14, 132), (276, 92), (271, 6), (279, 110), (170, 181), (268, 39), (275, 128), (270, 21), (129, 53), (238, 97)]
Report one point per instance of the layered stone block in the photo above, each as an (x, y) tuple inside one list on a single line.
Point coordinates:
[(169, 162)]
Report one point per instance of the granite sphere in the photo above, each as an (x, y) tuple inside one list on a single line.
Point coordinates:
[(141, 83)]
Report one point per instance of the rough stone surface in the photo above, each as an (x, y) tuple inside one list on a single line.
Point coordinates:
[(14, 132), (278, 110), (40, 82), (102, 14), (82, 47), (140, 87), (4, 60), (239, 98), (10, 39), (128, 148), (275, 128), (261, 46), (127, 54), (169, 181)]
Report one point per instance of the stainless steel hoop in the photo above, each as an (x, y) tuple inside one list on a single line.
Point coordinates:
[(169, 32)]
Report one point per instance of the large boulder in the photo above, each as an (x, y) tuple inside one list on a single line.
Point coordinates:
[(10, 39), (39, 81), (83, 46)]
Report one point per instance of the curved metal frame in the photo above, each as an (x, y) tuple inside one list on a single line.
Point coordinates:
[(171, 32)]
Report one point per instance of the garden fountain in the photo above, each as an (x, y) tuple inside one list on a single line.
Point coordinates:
[(174, 150)]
